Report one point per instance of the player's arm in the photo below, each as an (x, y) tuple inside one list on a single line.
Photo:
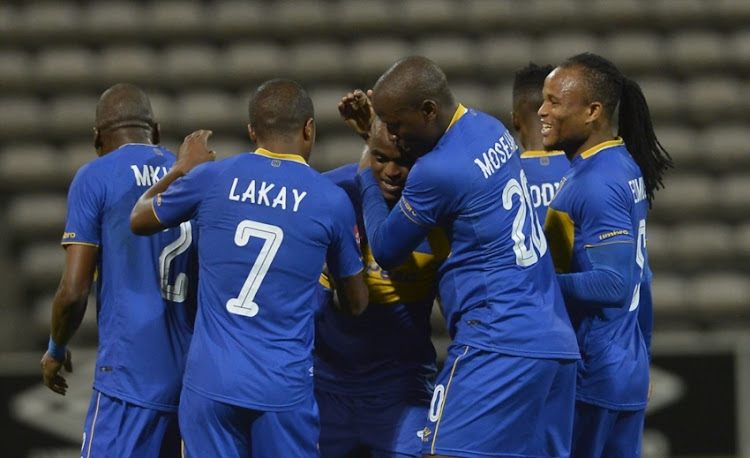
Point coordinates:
[(607, 283), (68, 309), (193, 151), (352, 293), (646, 312), (392, 235)]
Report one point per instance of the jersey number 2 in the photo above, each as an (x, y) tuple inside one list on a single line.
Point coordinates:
[(524, 256), (178, 291), (244, 304)]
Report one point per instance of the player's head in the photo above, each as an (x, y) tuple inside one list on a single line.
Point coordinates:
[(389, 166), (580, 99), (527, 98), (281, 118), (413, 99), (124, 115)]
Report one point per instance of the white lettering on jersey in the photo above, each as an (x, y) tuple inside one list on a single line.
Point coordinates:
[(638, 188), (147, 175), (542, 195), (262, 195), (497, 155)]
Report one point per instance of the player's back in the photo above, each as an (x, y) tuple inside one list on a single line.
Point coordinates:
[(267, 222), (614, 372), (544, 170), (144, 309), (497, 287)]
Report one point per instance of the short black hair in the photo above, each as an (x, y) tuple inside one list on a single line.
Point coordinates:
[(279, 107), (124, 105), (529, 81)]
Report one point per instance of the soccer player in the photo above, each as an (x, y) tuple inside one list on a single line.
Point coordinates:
[(543, 169), (596, 227), (507, 387), (267, 223), (374, 374), (145, 288)]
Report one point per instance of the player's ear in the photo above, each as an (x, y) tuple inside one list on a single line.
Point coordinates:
[(252, 134), (594, 111), (429, 109), (98, 142), (515, 121), (156, 133), (309, 130)]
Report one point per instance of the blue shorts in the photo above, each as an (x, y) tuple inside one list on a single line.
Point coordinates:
[(212, 428), (369, 426), (117, 428), (494, 405), (598, 431)]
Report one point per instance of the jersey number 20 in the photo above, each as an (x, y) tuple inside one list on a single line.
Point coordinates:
[(244, 303), (525, 256), (178, 291)]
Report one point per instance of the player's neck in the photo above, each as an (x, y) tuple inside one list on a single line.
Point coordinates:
[(596, 138)]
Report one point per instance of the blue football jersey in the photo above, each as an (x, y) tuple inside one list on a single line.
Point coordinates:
[(544, 170), (145, 310), (602, 200), (267, 223), (497, 287), (387, 351)]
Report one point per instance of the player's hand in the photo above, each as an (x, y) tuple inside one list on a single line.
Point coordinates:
[(356, 110), (194, 151), (51, 372)]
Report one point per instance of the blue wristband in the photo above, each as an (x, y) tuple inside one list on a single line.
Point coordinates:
[(58, 352)]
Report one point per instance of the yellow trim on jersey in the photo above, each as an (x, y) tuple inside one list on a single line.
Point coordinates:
[(445, 399), (439, 244), (286, 157), (460, 111), (608, 243), (63, 243), (560, 232), (182, 448), (325, 281), (93, 423), (153, 210), (534, 153), (601, 146)]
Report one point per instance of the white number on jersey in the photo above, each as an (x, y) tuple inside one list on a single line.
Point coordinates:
[(640, 243), (525, 256), (436, 406), (272, 236), (178, 291)]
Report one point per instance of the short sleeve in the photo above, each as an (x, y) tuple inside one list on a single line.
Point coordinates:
[(344, 256), (86, 198), (181, 200), (605, 214), (427, 194)]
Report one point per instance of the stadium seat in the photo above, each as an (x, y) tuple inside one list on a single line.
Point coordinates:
[(724, 147), (635, 52), (555, 47), (615, 14), (711, 97), (700, 244), (173, 20), (113, 19), (244, 62), (721, 296), (64, 68), (164, 110), (48, 21), (34, 216), (491, 16), (695, 52), (669, 294), (471, 95), (41, 265), (658, 244), (426, 16), (297, 18), (137, 64), (731, 12), (678, 15), (74, 155), (682, 144), (501, 101), (16, 69), (237, 19), (209, 109), (687, 196), (20, 116), (664, 97), (71, 114), (226, 146), (452, 53), (336, 151), (500, 56), (733, 196), (738, 50), (316, 61), (742, 241), (369, 58), (30, 166), (355, 17), (325, 101), (188, 64)]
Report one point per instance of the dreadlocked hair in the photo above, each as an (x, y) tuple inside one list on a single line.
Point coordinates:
[(607, 85)]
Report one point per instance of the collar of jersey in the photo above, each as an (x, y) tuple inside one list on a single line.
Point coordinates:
[(601, 147), (460, 111), (535, 153), (286, 157)]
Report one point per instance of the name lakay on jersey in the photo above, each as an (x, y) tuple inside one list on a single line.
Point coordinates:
[(497, 154), (147, 175), (638, 188), (261, 194)]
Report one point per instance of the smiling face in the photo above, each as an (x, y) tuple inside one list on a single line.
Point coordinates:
[(413, 129), (389, 166), (566, 114)]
